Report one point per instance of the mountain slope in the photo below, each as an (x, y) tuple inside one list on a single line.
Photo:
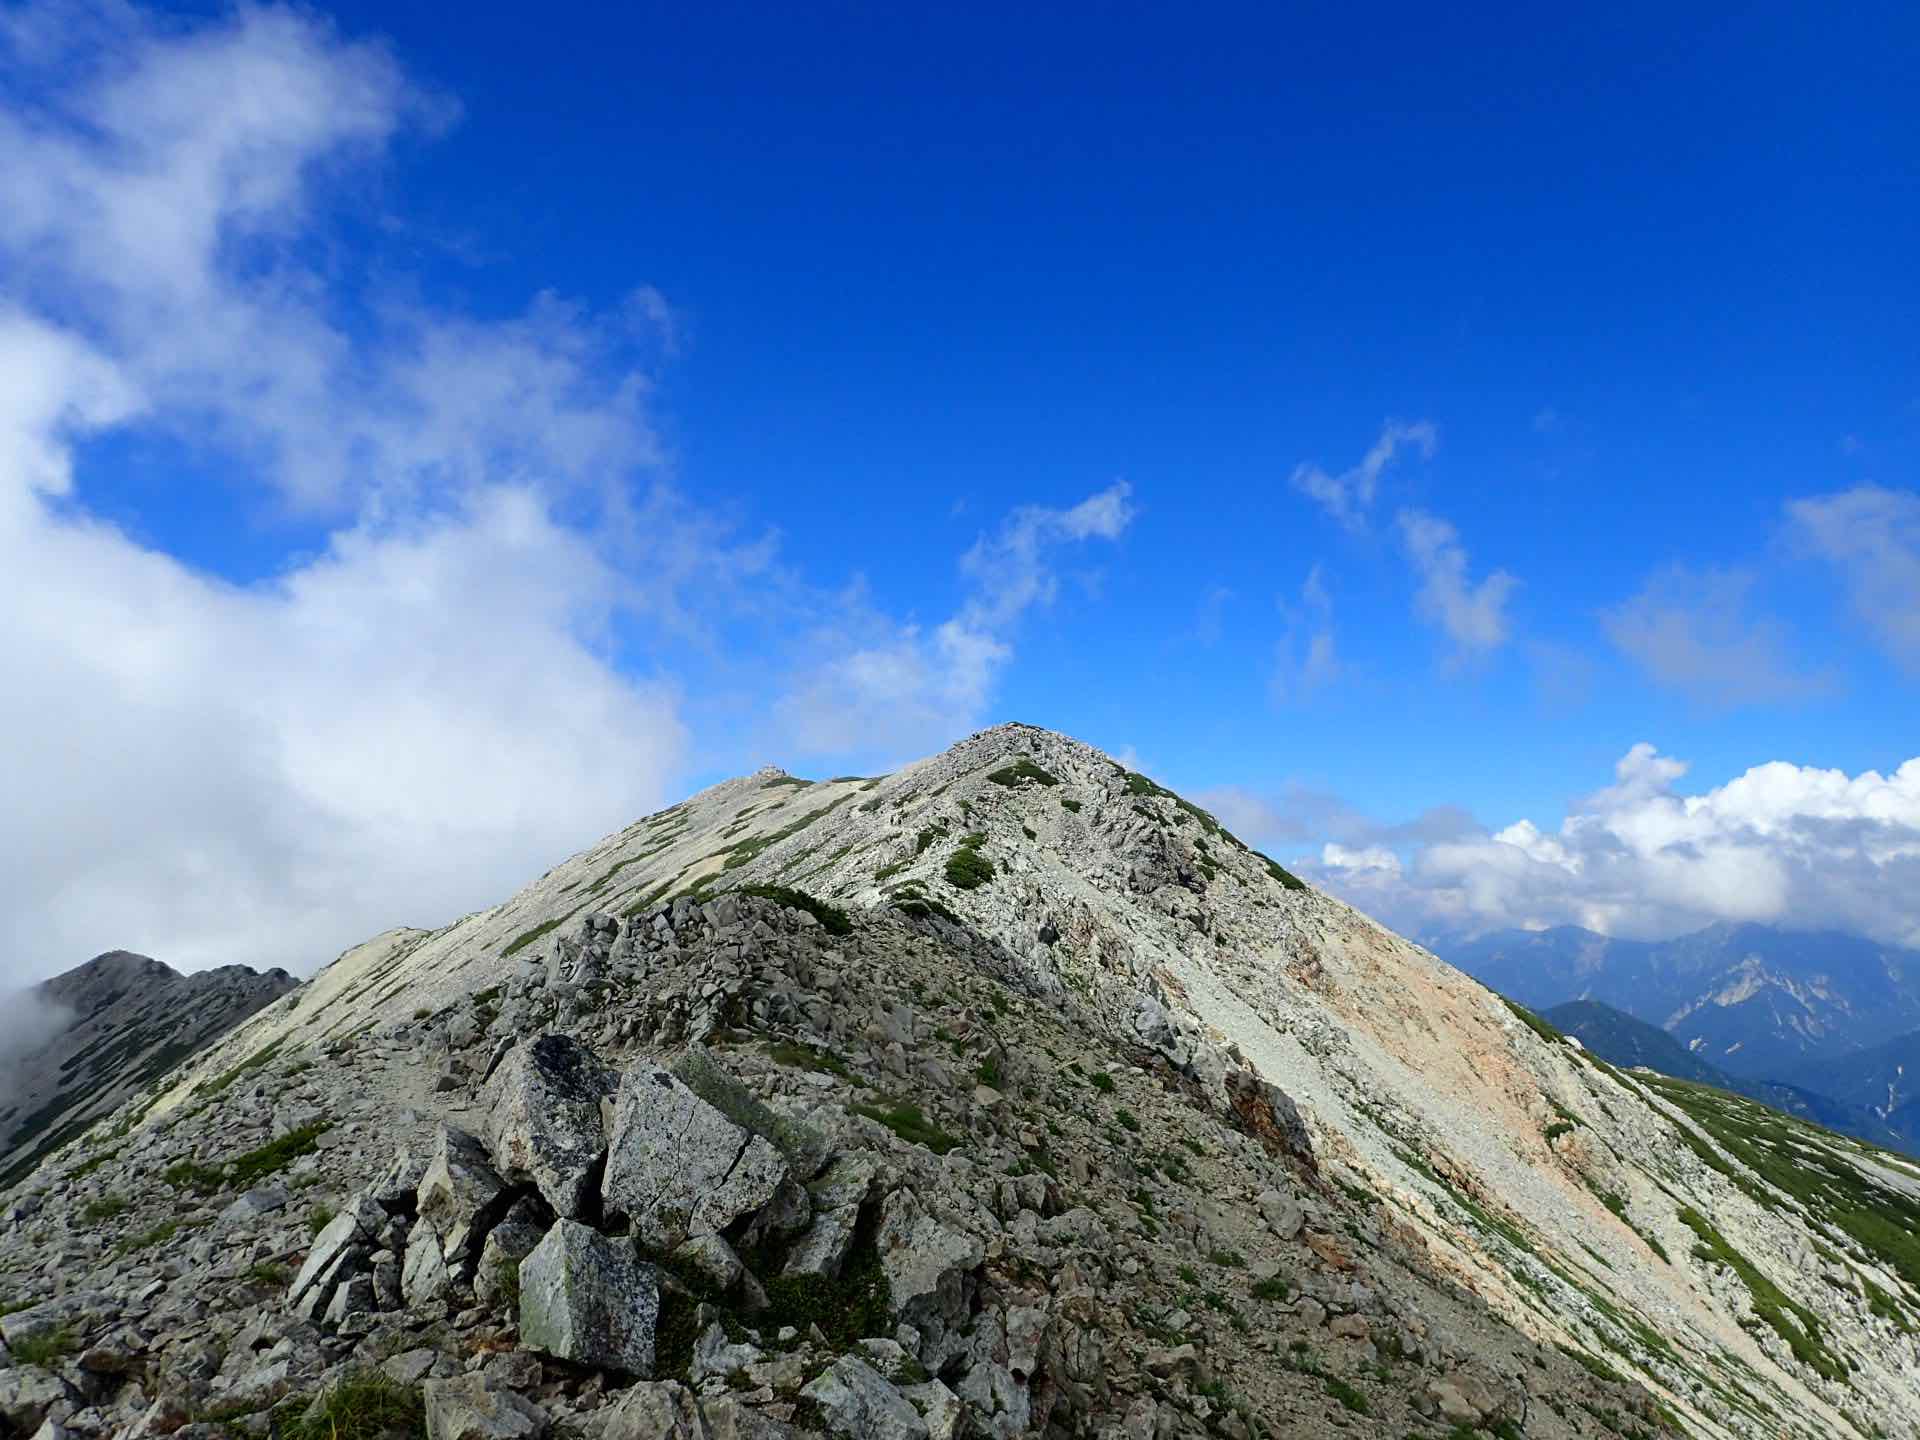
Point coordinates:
[(1644, 1226), (1619, 1039), (1883, 1080), (133, 1020)]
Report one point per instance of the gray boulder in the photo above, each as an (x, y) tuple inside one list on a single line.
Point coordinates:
[(662, 1410), (589, 1299), (677, 1167), (456, 1190), (356, 1228), (543, 1118), (928, 1263), (424, 1280), (857, 1401), (27, 1394), (464, 1408)]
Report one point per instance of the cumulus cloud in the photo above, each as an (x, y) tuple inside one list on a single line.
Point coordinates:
[(1872, 536), (1305, 658), (425, 708), (1781, 843), (1348, 496), (1691, 631), (1472, 616), (890, 688)]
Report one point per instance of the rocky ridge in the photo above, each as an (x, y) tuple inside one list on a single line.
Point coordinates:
[(1039, 985), (132, 1021)]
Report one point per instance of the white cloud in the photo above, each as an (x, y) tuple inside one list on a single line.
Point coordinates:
[(1690, 631), (891, 689), (1782, 843), (401, 727), (1305, 658), (1349, 495), (1473, 616), (1872, 536)]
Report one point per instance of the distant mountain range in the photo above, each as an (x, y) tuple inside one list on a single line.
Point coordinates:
[(1619, 1039), (1819, 1024)]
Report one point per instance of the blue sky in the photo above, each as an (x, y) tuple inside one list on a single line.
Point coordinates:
[(447, 440)]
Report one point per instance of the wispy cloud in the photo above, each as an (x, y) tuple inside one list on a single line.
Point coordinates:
[(1305, 657), (1472, 615), (1692, 631), (1349, 495), (891, 688), (1872, 537)]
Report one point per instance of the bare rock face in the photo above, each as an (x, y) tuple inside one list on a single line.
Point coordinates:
[(543, 1119), (456, 1191), (466, 1408), (588, 1298), (677, 1167), (929, 1267), (859, 1402)]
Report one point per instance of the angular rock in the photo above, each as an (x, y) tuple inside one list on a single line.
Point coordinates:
[(463, 1408), (728, 1419), (677, 1167), (506, 1245), (27, 1393), (261, 1200), (928, 1263), (857, 1401), (1282, 1213), (945, 1415), (358, 1226), (455, 1192), (424, 1280), (823, 1250), (662, 1410), (589, 1299), (713, 1260), (1268, 1113), (543, 1118)]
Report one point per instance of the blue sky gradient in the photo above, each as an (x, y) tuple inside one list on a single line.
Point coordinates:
[(803, 333)]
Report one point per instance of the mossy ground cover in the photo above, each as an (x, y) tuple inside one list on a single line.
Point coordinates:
[(1788, 1319)]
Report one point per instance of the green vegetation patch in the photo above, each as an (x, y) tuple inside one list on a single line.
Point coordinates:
[(1023, 772), (748, 850), (47, 1350), (274, 1156), (527, 937), (366, 1405), (832, 918), (207, 1089), (107, 1207), (1802, 1332), (1279, 872), (910, 1125), (967, 868)]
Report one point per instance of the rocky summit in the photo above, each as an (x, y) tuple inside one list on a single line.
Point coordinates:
[(116, 1024), (1006, 1095)]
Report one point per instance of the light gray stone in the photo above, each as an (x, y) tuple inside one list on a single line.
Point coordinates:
[(424, 1280), (456, 1190), (929, 1264), (590, 1299), (823, 1249), (506, 1245), (857, 1401), (27, 1393), (1282, 1213), (677, 1167), (357, 1226), (544, 1118), (660, 1410), (463, 1408), (713, 1260)]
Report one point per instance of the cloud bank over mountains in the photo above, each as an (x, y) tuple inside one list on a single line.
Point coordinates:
[(1783, 844)]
